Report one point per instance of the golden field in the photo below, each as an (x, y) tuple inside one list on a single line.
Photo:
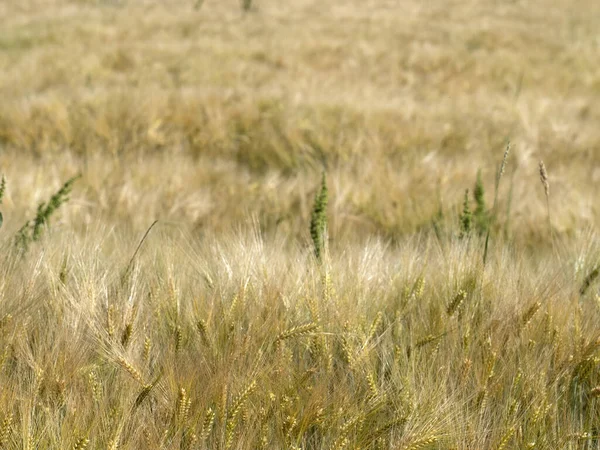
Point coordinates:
[(219, 329)]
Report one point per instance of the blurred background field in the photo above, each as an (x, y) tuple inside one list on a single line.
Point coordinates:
[(221, 330), (202, 114)]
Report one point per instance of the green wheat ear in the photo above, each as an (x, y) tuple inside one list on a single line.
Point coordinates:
[(318, 221), (32, 229), (481, 217), (46, 210), (466, 218)]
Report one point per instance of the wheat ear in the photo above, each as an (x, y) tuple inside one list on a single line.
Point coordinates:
[(546, 184)]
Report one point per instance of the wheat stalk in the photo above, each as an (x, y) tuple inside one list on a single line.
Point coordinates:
[(495, 206)]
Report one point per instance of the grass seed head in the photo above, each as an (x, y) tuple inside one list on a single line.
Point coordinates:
[(544, 178)]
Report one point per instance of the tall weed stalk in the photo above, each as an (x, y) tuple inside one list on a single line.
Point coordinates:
[(495, 206)]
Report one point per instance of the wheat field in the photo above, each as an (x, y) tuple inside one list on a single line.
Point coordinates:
[(175, 273)]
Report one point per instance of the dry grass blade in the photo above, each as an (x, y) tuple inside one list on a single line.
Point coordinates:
[(127, 271)]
